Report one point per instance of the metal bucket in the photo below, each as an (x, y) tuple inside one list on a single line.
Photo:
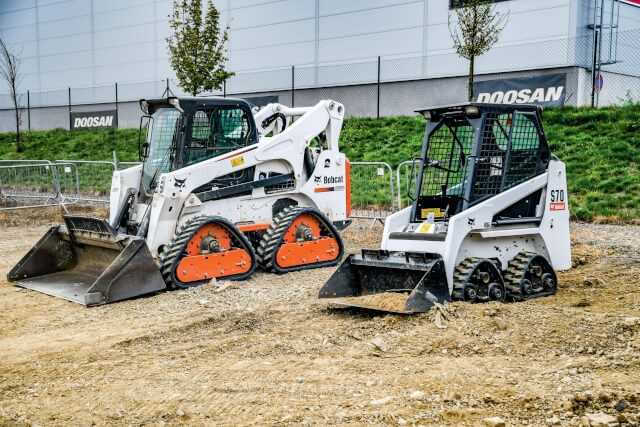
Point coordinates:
[(395, 282), (87, 263)]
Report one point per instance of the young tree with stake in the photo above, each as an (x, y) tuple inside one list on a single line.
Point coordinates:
[(475, 31), (197, 47), (10, 72)]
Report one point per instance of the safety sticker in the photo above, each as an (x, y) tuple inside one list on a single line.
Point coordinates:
[(237, 161), (426, 228), (437, 213), (558, 206)]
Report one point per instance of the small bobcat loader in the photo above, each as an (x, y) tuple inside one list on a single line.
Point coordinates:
[(221, 191), (489, 220)]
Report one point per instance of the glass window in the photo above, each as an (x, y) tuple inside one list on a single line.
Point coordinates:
[(216, 131), (164, 125)]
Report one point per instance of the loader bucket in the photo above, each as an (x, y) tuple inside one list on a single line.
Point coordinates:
[(88, 267), (395, 282)]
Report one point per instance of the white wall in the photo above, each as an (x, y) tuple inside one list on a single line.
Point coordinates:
[(82, 43)]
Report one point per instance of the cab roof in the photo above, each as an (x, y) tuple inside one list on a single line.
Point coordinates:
[(454, 108), (189, 103)]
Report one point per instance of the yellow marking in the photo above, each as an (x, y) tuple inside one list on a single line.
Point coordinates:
[(426, 228), (237, 161), (437, 213)]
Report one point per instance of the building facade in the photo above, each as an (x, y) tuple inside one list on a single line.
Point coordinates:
[(331, 47)]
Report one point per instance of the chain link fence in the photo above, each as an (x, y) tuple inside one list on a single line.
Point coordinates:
[(377, 86)]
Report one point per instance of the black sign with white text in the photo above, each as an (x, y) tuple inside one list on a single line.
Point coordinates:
[(548, 90), (94, 119)]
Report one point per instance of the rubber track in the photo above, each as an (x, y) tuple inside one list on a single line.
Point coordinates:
[(515, 273), (461, 276), (274, 236), (172, 254)]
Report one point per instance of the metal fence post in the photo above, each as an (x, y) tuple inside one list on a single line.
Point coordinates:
[(379, 69), (28, 111), (117, 111), (595, 53), (70, 123), (293, 86), (224, 88)]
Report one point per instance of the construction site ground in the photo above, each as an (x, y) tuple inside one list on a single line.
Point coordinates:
[(267, 352)]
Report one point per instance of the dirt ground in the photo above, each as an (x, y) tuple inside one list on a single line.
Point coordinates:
[(267, 352)]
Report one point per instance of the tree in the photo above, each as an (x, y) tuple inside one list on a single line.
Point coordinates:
[(10, 72), (198, 47), (476, 30)]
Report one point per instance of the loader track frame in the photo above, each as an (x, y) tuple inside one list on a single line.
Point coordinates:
[(274, 237), (174, 251)]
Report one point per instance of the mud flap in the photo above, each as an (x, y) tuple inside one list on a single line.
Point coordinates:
[(397, 282), (88, 271)]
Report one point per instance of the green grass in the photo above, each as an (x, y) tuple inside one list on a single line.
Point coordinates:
[(600, 147)]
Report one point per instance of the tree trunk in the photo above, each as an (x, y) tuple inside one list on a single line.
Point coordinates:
[(18, 145), (472, 71)]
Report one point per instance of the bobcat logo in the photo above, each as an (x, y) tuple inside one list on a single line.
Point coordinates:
[(317, 179), (179, 183)]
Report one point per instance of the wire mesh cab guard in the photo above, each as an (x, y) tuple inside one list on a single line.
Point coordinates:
[(475, 151)]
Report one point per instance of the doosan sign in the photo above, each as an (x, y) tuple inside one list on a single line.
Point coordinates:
[(94, 120), (548, 90)]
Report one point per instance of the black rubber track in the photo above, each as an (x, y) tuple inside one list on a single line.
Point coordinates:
[(174, 251), (517, 271), (274, 236), (463, 274)]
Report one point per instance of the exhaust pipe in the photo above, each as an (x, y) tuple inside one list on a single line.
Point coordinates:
[(394, 282)]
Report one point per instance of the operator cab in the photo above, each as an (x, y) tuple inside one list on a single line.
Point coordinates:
[(474, 151), (179, 132)]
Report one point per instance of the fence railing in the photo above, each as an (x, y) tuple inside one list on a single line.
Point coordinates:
[(372, 190), (31, 184), (377, 190)]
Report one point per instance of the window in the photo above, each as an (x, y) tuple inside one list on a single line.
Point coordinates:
[(445, 170), (511, 152), (216, 131), (164, 125), (527, 156)]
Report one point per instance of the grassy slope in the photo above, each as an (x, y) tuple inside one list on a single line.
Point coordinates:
[(601, 149)]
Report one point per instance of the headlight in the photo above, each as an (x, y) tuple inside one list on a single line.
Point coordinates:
[(472, 111)]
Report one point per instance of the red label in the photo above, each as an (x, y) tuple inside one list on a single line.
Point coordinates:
[(558, 206)]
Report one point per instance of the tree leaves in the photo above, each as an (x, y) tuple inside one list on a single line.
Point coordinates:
[(478, 28), (197, 47)]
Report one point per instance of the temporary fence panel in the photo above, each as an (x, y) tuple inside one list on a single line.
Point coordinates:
[(28, 185), (94, 179), (372, 190)]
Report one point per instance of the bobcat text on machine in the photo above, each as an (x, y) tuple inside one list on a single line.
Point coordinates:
[(220, 192), (489, 221)]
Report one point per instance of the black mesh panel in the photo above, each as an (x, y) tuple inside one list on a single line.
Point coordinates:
[(449, 149)]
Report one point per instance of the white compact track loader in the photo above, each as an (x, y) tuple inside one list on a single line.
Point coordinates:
[(489, 220), (221, 191)]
